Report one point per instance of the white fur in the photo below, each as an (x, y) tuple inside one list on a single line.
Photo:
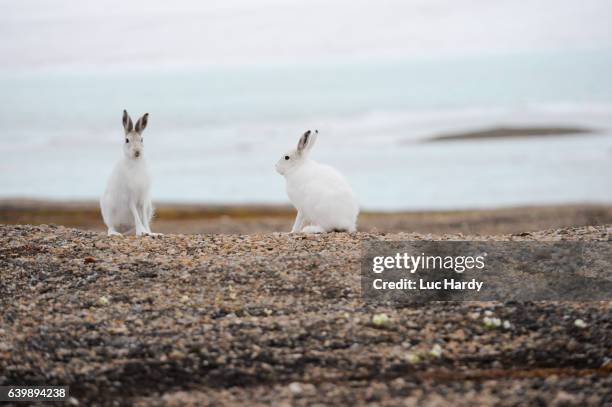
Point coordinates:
[(323, 198), (126, 202)]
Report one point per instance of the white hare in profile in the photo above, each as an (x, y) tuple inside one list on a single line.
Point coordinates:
[(323, 198), (126, 203)]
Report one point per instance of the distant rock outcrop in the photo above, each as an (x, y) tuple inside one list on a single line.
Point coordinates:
[(510, 132)]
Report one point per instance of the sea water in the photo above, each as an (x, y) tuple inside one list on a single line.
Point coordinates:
[(215, 133)]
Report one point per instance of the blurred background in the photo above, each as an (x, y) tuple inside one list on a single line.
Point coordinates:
[(423, 104)]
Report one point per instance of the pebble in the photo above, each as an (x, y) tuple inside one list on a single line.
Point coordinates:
[(491, 322), (579, 323), (381, 320), (295, 388), (436, 351)]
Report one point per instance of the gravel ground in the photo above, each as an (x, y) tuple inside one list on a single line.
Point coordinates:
[(276, 319), (250, 219)]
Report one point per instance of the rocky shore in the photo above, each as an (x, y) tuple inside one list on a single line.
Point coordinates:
[(278, 319)]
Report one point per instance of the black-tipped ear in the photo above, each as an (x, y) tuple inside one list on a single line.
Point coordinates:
[(127, 122), (141, 124), (304, 141)]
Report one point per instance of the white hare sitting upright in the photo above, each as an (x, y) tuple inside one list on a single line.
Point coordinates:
[(126, 203), (324, 200)]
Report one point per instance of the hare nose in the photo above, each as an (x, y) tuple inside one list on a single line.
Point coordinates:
[(137, 154)]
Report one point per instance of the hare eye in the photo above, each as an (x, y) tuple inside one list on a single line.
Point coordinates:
[(286, 157), (127, 140)]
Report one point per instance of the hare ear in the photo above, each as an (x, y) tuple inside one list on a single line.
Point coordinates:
[(307, 141), (304, 142), (141, 124), (127, 122)]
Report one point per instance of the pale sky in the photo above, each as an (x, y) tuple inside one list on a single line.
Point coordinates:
[(116, 34)]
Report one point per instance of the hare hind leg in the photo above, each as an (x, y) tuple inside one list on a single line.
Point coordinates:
[(313, 229), (113, 232)]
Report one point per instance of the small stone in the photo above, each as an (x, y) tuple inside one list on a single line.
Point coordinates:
[(176, 355), (413, 358), (572, 345), (491, 322), (103, 300), (579, 323), (381, 320), (563, 398), (295, 388), (436, 351)]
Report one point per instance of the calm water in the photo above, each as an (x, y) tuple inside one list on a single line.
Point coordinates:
[(215, 134)]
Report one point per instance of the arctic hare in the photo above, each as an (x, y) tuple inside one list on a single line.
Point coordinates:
[(323, 199), (126, 203)]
